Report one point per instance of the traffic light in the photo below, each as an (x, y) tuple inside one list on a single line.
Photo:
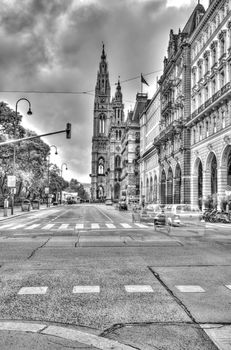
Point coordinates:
[(68, 131)]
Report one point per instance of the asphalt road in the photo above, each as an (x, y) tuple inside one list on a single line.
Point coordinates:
[(92, 268)]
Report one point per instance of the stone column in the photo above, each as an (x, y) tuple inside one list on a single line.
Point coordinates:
[(221, 185)]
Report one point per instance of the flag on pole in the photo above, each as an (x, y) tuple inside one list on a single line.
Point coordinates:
[(143, 81)]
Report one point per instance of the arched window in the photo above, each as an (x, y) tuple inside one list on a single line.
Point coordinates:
[(177, 198), (151, 190), (155, 190), (147, 190), (120, 134), (214, 175), (170, 187), (117, 161), (163, 187), (102, 119), (101, 166), (200, 184)]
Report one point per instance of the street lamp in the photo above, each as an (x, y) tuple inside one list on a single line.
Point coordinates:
[(14, 149), (62, 177), (48, 171)]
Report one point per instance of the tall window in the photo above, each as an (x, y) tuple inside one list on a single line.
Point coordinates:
[(200, 132), (222, 79), (214, 125), (213, 86), (223, 119), (206, 93), (214, 55), (101, 166), (102, 124), (222, 46), (207, 128), (206, 64)]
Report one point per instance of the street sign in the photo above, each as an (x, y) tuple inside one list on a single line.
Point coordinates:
[(46, 190), (11, 181)]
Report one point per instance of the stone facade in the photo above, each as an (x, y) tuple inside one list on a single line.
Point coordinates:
[(173, 141), (210, 121), (108, 129), (149, 166), (130, 178)]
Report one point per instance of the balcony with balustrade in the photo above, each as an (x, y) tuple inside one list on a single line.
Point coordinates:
[(175, 127), (213, 102)]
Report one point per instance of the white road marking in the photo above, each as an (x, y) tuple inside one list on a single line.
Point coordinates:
[(17, 226), (190, 289), (5, 226), (79, 226), (86, 289), (48, 226), (63, 227), (95, 226), (85, 338), (228, 286), (126, 225), (138, 289), (105, 215), (141, 225), (22, 327), (219, 334), (33, 290), (110, 225), (32, 227)]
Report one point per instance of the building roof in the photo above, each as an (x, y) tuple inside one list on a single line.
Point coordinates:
[(194, 19)]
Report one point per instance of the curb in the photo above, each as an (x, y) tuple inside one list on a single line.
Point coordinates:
[(21, 213), (65, 333)]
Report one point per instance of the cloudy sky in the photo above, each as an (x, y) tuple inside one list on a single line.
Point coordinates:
[(50, 53)]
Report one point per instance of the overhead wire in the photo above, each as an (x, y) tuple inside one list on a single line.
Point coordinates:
[(87, 92)]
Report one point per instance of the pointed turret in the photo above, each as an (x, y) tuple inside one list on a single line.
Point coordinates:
[(103, 85), (118, 94)]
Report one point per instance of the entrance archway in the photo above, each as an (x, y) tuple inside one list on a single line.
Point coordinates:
[(170, 187), (177, 196), (213, 175), (200, 184), (163, 187), (117, 191)]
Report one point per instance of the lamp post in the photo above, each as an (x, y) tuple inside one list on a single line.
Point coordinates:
[(48, 172), (62, 177), (14, 149)]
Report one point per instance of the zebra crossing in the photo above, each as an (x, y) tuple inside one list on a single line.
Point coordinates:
[(69, 227)]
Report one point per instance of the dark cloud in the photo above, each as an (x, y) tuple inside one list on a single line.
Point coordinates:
[(56, 46)]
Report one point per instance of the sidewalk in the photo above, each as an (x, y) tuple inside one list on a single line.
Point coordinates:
[(18, 212), (22, 335)]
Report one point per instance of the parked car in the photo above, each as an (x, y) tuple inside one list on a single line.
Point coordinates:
[(108, 202), (26, 205), (183, 215), (149, 212), (123, 205)]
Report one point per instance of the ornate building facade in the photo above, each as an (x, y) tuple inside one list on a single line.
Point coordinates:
[(173, 141), (130, 177), (210, 121), (149, 166)]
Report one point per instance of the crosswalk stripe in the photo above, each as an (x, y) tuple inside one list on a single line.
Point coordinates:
[(17, 226), (63, 227), (48, 226), (6, 226), (79, 226), (94, 226), (32, 227), (141, 225), (32, 290), (126, 225), (110, 226)]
